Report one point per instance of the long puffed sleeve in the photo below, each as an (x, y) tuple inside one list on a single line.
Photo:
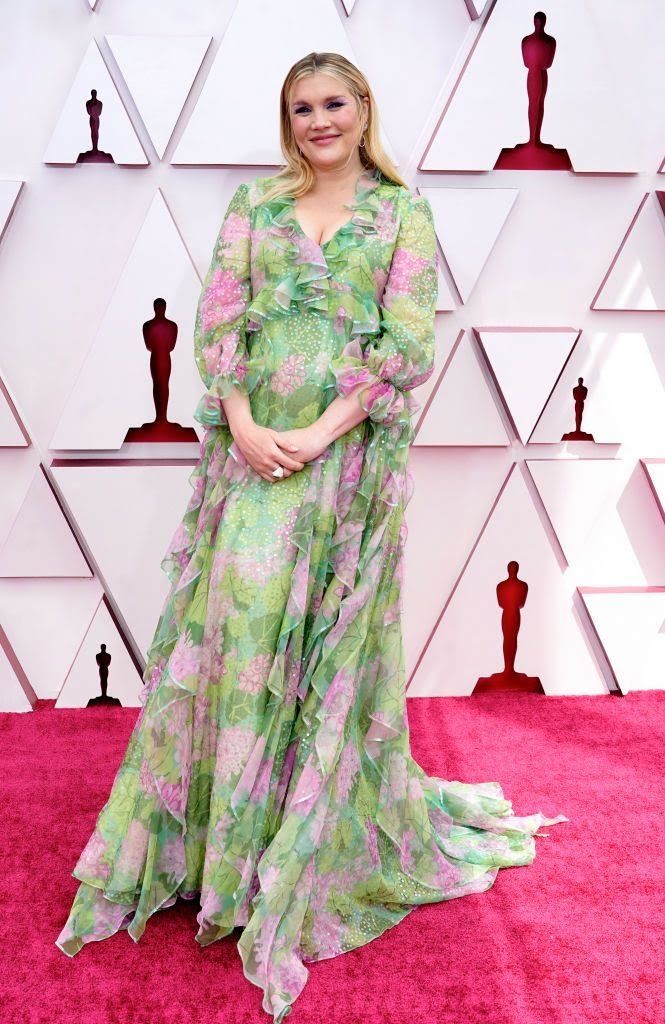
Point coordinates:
[(402, 356), (220, 343)]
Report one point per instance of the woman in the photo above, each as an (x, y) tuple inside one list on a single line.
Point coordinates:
[(269, 771)]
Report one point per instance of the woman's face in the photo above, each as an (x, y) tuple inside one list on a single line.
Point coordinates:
[(322, 108)]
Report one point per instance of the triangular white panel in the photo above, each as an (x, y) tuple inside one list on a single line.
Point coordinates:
[(71, 134), (349, 5), (636, 278), (585, 111), (11, 433), (655, 470), (114, 388), (471, 220), (463, 411), (92, 4), (625, 375), (454, 490), (631, 627), (159, 72), (128, 516), (9, 193), (13, 695), (40, 542), (83, 682), (468, 641), (526, 365), (445, 344), (45, 621), (476, 7), (605, 518), (218, 130)]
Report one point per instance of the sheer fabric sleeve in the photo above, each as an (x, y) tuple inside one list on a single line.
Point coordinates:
[(402, 355), (220, 341)]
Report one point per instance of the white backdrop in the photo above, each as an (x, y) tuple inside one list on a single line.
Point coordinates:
[(546, 276)]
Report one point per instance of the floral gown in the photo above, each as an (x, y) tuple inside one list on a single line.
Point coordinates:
[(269, 770)]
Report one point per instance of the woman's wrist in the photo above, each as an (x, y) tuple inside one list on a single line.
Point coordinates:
[(238, 412), (343, 413), (241, 426)]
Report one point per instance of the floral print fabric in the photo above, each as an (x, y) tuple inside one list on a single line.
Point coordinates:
[(269, 770)]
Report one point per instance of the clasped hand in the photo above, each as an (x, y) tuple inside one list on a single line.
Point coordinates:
[(265, 448)]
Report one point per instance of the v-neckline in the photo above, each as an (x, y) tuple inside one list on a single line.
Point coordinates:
[(368, 174)]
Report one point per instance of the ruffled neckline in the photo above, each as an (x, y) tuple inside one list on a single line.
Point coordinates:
[(364, 206), (309, 278)]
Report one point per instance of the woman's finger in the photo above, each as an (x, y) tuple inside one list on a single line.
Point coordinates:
[(287, 461)]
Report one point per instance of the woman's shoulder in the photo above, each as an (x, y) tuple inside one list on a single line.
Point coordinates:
[(402, 195), (414, 202), (259, 186)]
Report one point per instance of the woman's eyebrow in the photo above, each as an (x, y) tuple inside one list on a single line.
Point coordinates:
[(327, 98)]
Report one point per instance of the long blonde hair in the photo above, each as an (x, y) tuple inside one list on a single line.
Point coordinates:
[(296, 176)]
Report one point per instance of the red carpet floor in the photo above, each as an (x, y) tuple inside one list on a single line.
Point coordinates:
[(577, 936)]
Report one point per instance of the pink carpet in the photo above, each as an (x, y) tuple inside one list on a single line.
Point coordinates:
[(576, 936)]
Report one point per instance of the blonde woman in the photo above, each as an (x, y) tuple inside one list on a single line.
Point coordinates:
[(269, 772)]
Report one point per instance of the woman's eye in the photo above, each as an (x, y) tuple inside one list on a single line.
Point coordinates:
[(333, 103)]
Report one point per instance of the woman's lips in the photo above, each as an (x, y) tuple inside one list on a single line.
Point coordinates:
[(323, 140)]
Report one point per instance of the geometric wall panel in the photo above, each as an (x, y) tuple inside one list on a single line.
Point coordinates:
[(159, 72), (631, 628), (462, 410), (40, 541), (584, 112), (605, 518), (83, 679), (218, 131), (551, 642), (472, 219), (114, 389), (45, 621), (72, 132), (9, 193), (624, 371), (636, 278), (127, 515), (74, 299), (526, 365), (423, 395), (447, 481), (12, 432), (655, 470), (476, 7), (16, 693)]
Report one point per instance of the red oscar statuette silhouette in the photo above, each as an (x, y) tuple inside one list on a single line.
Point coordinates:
[(94, 155), (511, 595), (538, 51), (159, 335), (579, 394), (103, 659)]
